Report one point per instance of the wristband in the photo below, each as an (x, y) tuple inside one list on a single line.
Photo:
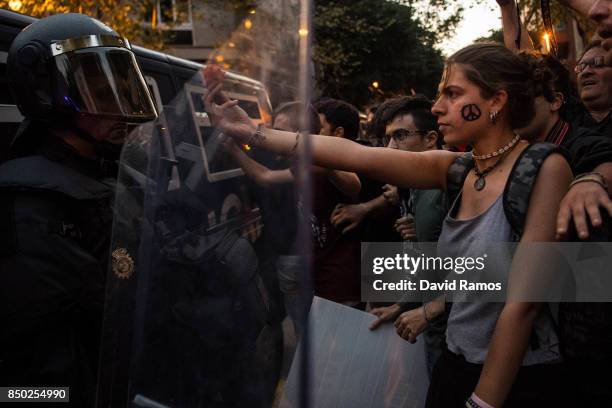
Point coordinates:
[(425, 314), (592, 177), (295, 146), (258, 132), (476, 402)]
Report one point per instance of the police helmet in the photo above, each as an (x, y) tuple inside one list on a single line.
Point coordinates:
[(69, 64)]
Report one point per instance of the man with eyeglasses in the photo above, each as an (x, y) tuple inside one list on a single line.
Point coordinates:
[(412, 127), (594, 79)]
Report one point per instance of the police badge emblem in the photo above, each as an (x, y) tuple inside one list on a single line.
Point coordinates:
[(122, 263)]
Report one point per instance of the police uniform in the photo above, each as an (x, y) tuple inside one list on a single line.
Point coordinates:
[(55, 224), (56, 204)]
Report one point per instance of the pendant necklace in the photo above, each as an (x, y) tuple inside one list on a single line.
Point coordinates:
[(480, 182)]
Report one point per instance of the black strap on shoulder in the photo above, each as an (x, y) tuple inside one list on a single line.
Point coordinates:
[(517, 192), (457, 172)]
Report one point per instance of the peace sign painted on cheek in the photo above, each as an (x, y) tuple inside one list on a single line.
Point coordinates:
[(471, 112)]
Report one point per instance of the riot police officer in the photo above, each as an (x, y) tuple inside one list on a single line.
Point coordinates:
[(77, 83)]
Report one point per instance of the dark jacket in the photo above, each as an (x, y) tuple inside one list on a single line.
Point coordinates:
[(587, 148), (55, 228)]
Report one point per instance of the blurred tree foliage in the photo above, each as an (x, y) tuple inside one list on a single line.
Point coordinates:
[(126, 17), (373, 49), (495, 35), (440, 18), (137, 20)]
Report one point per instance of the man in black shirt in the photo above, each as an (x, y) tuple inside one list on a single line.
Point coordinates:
[(552, 123)]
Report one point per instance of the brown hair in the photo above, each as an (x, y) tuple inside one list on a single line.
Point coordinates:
[(492, 67), (550, 76)]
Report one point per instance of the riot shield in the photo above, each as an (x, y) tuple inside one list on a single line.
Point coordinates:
[(196, 314)]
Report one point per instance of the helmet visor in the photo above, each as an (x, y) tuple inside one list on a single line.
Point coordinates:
[(103, 81)]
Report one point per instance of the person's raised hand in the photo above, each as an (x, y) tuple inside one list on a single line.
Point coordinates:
[(410, 324), (228, 117), (214, 75), (582, 200), (384, 314), (391, 194), (350, 215)]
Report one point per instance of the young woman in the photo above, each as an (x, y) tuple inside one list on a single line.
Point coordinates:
[(486, 91)]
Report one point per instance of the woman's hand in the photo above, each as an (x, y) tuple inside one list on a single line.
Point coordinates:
[(228, 117), (384, 314), (214, 75), (410, 324)]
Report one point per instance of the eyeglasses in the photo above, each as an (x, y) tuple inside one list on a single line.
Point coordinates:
[(401, 134), (597, 62)]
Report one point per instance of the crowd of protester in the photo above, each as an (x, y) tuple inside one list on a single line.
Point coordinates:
[(500, 103)]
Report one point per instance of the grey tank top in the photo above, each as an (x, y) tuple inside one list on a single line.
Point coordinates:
[(471, 325)]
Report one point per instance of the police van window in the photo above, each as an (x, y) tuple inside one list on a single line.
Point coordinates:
[(198, 103), (218, 165), (164, 86), (219, 161)]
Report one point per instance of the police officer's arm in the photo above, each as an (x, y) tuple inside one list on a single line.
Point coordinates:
[(257, 172), (510, 26), (515, 324)]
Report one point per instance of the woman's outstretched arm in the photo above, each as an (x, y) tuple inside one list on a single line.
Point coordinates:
[(425, 170)]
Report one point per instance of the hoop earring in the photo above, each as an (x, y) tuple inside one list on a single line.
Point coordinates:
[(493, 116)]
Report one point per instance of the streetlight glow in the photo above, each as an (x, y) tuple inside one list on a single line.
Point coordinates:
[(546, 38), (248, 24), (375, 84), (15, 5)]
